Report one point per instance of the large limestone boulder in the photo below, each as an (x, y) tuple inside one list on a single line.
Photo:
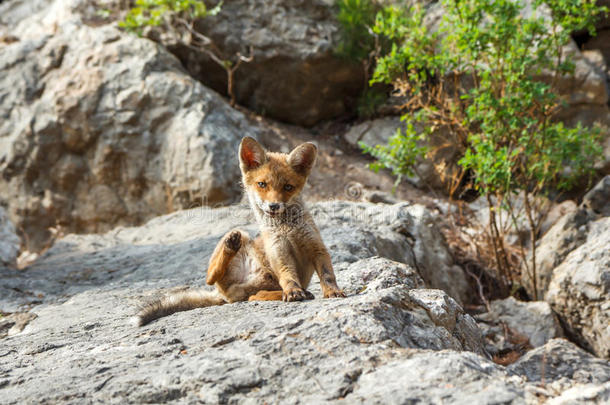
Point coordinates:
[(295, 75), (586, 86), (101, 128), (573, 270), (183, 241), (567, 234), (91, 284), (579, 290), (389, 341), (402, 232)]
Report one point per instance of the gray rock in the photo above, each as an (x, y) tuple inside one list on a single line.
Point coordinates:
[(595, 56), (567, 234), (420, 243), (535, 320), (584, 394), (586, 86), (184, 240), (579, 291), (560, 360), (309, 351), (389, 341), (100, 128), (572, 376), (573, 270), (446, 313), (295, 75), (9, 241), (378, 273), (549, 214), (598, 198), (437, 377), (379, 197), (563, 373), (480, 209), (373, 132), (556, 212)]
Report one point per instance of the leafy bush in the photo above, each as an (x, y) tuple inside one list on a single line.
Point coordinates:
[(156, 12), (478, 75), (356, 18)]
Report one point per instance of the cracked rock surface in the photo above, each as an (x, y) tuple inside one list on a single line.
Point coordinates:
[(85, 289), (392, 340)]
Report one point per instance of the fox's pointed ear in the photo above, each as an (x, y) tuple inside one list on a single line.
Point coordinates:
[(251, 154), (302, 158)]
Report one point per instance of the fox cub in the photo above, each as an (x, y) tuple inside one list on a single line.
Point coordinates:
[(279, 263)]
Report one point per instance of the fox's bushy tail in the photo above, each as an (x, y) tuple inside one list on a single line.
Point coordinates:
[(177, 302)]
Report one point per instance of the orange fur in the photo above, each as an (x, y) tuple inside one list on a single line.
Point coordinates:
[(266, 296), (280, 262)]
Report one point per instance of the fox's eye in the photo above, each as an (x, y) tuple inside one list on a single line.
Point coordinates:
[(262, 184), (288, 187)]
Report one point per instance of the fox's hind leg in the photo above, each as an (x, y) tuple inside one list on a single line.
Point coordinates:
[(224, 252), (266, 296)]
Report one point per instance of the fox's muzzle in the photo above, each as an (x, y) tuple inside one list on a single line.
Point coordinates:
[(272, 208)]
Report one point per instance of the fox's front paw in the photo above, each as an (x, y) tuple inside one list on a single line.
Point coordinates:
[(233, 241), (334, 293), (297, 294)]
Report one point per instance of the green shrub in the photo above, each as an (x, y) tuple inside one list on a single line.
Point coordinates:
[(478, 74), (357, 18), (155, 12), (404, 149)]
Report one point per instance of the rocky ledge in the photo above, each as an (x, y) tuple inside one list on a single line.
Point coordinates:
[(392, 340)]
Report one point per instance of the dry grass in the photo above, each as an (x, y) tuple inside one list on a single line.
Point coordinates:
[(473, 248)]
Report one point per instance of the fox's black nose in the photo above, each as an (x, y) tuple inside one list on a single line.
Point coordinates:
[(274, 207)]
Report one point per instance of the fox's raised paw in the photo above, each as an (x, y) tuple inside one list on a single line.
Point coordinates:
[(297, 294), (334, 294), (233, 241)]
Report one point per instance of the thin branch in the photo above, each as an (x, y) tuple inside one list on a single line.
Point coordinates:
[(209, 48), (479, 287), (231, 72)]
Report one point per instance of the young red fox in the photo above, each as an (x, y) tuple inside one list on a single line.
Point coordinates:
[(279, 263)]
